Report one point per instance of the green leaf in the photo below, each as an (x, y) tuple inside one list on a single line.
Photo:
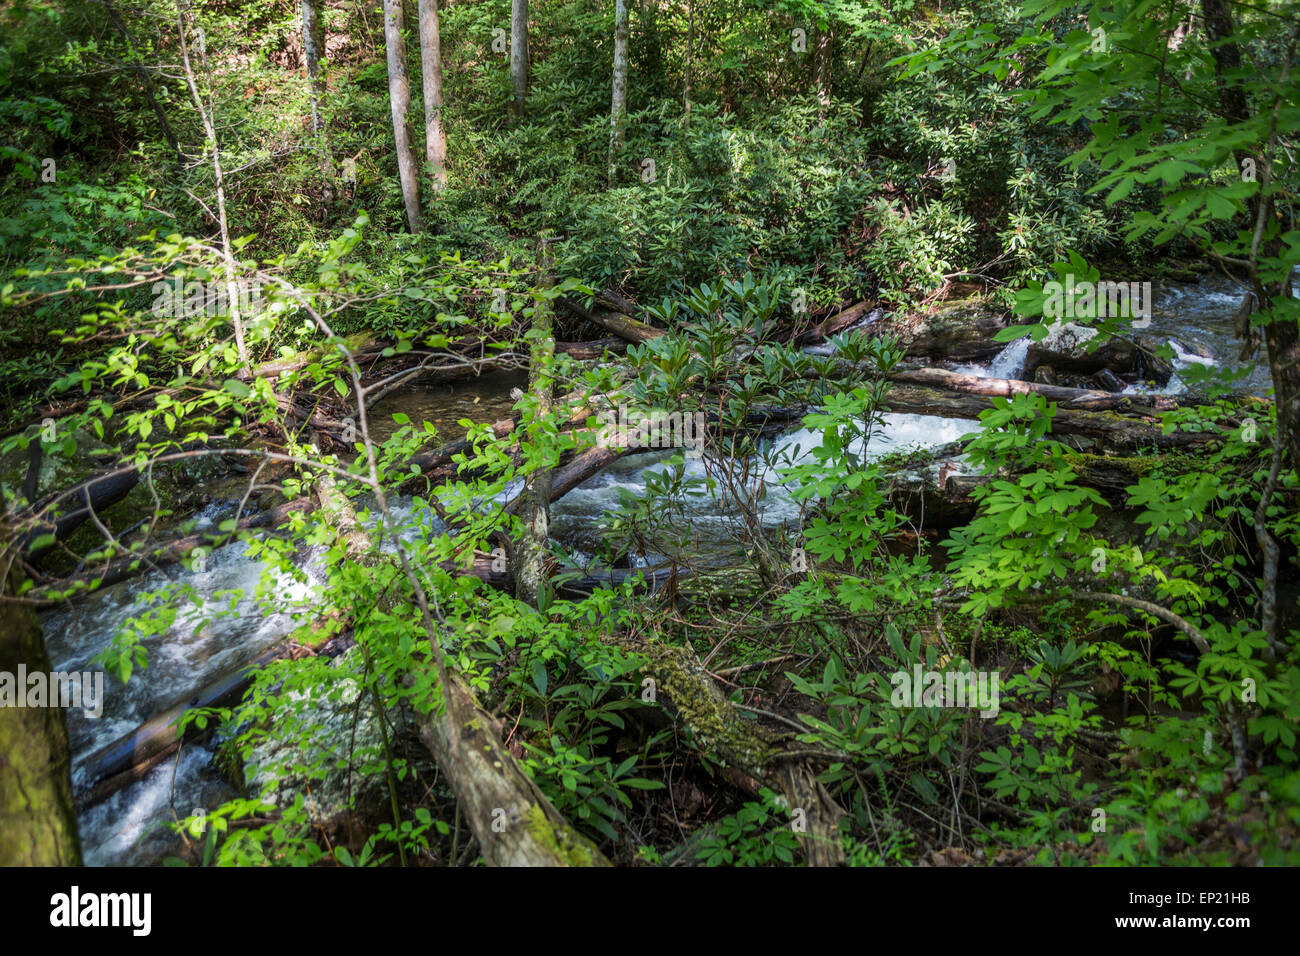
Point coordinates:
[(236, 388)]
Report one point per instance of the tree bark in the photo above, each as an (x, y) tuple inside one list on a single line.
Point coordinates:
[(518, 57), (40, 823), (207, 114), (618, 101), (312, 45), (1081, 398), (399, 98), (1114, 431), (435, 137), (624, 326), (690, 54), (535, 501), (513, 821)]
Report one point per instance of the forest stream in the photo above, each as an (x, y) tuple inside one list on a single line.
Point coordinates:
[(130, 827)]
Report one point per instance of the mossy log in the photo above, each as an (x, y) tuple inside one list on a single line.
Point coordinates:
[(1085, 399), (685, 689), (616, 323), (1112, 429), (513, 821), (39, 825)]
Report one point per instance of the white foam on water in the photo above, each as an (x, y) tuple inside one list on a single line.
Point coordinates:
[(599, 495), (1009, 363)]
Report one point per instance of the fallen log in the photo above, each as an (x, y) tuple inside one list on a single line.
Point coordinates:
[(624, 326), (585, 465), (1112, 429), (133, 755), (836, 323), (94, 496), (682, 685), (430, 462), (361, 346), (596, 349), (514, 822), (1080, 398)]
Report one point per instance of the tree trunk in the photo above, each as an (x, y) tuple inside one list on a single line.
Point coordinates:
[(514, 822), (624, 326), (313, 45), (399, 98), (208, 117), (311, 50), (530, 567), (518, 56), (822, 59), (618, 102), (435, 137), (1282, 334), (39, 821), (690, 53), (1087, 399)]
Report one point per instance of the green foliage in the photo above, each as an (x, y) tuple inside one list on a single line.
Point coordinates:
[(756, 835)]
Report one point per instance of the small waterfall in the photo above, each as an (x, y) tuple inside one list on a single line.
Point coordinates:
[(1010, 362)]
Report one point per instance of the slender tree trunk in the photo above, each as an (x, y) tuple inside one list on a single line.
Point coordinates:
[(311, 50), (435, 137), (313, 45), (519, 56), (399, 97), (39, 821), (208, 116), (535, 512), (1282, 333), (618, 102), (690, 52), (822, 58)]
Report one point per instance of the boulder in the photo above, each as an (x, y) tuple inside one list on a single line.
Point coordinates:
[(1068, 350), (959, 330)]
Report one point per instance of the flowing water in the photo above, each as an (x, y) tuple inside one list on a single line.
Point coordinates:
[(129, 827), (1194, 319)]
